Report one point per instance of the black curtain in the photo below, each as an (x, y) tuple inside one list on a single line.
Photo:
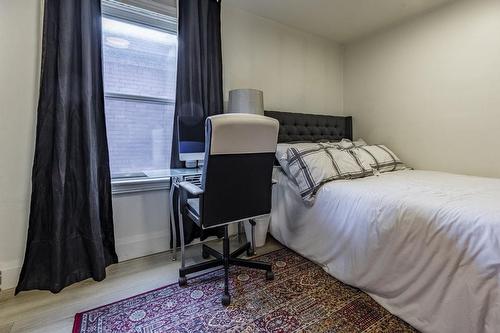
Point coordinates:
[(70, 235), (199, 80), (199, 67)]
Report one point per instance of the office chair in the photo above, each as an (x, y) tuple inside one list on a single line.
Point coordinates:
[(236, 186)]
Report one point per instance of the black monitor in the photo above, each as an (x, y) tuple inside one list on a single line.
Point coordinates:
[(191, 130)]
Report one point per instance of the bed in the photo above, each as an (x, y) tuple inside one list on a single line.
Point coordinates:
[(423, 244)]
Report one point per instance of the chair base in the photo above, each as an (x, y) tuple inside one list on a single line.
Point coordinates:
[(225, 260)]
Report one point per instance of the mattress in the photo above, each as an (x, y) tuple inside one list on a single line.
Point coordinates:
[(423, 244)]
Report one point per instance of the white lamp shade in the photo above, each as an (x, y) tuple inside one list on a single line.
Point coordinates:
[(246, 101)]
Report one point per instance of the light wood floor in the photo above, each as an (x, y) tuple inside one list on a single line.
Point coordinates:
[(40, 311)]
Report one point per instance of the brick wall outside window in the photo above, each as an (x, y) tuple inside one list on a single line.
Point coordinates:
[(138, 61)]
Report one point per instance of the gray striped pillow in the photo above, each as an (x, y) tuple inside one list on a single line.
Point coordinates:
[(379, 157), (312, 167)]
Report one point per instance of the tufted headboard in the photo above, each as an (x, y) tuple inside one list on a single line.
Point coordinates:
[(311, 127)]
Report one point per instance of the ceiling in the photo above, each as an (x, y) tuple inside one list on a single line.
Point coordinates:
[(339, 20)]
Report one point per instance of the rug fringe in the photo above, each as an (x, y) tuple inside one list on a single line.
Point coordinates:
[(77, 324)]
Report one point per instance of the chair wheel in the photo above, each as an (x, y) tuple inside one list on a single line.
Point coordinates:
[(250, 252), (205, 255), (182, 281), (269, 275), (226, 299)]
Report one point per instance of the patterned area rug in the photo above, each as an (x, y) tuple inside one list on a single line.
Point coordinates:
[(302, 298)]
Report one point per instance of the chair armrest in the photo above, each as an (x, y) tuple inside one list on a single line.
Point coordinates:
[(191, 188)]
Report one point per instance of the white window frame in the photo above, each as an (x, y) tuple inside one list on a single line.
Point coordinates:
[(117, 10)]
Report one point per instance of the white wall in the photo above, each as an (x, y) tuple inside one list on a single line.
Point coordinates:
[(430, 88), (19, 66), (297, 71), (141, 223), (140, 218)]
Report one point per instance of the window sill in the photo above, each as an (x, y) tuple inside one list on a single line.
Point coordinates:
[(143, 184)]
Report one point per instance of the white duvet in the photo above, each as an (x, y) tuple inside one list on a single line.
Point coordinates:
[(425, 245)]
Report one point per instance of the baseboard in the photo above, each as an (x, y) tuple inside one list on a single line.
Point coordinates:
[(10, 274), (142, 245), (146, 244), (126, 247)]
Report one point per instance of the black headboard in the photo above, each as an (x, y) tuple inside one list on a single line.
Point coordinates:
[(311, 127)]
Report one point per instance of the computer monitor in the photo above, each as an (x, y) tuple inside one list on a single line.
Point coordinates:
[(191, 132)]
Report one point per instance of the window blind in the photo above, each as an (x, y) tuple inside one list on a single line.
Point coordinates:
[(155, 13)]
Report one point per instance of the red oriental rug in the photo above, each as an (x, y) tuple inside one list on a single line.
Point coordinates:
[(302, 298)]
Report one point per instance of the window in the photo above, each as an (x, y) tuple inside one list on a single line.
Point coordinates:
[(139, 69)]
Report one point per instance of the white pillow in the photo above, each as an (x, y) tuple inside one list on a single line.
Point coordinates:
[(348, 144), (311, 167), (282, 148), (281, 153), (379, 157)]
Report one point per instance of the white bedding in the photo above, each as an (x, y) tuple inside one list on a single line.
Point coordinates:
[(425, 245)]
